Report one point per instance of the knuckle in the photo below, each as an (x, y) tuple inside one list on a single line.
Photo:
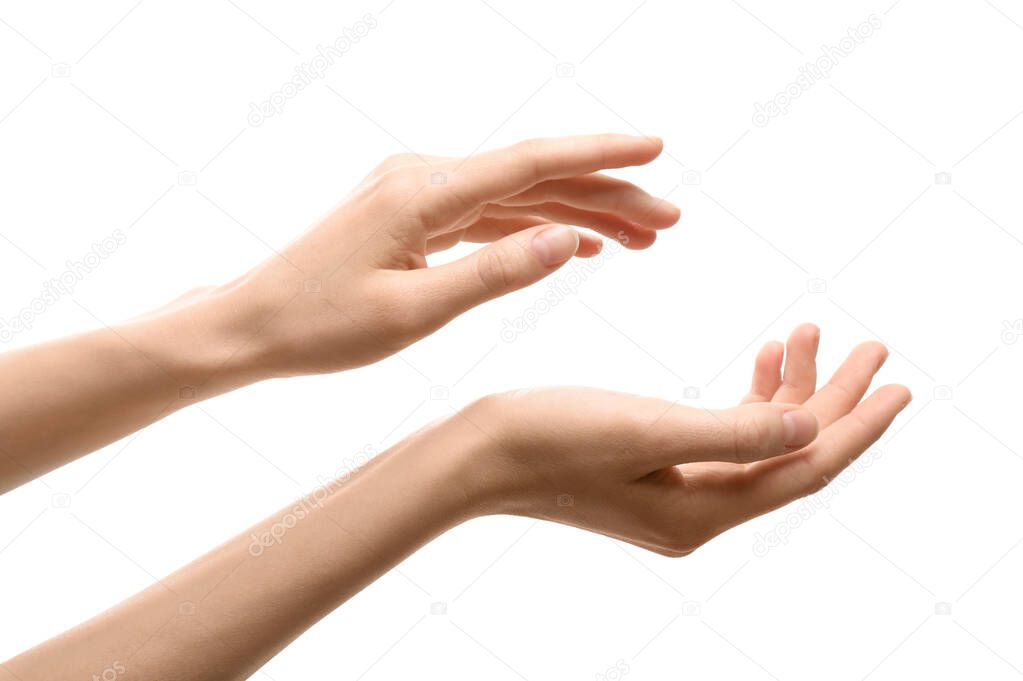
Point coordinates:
[(528, 152), (493, 271), (528, 146), (499, 411), (844, 393), (814, 484), (537, 194), (751, 438), (618, 199), (398, 318), (811, 479), (677, 539), (390, 163), (401, 183)]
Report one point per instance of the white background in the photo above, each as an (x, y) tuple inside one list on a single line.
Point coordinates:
[(830, 213)]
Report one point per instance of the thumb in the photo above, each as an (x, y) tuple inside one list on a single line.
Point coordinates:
[(743, 434), (508, 264)]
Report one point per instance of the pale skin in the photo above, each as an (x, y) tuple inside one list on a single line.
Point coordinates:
[(656, 474), (351, 290), (356, 288)]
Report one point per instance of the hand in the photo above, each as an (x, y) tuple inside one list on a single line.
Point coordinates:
[(353, 289), (356, 287), (669, 478)]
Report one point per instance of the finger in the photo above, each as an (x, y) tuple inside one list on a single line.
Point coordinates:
[(766, 373), (602, 194), (498, 174), (487, 230), (850, 382), (491, 228), (626, 233), (444, 241), (742, 434), (776, 482), (590, 245), (510, 263), (799, 378)]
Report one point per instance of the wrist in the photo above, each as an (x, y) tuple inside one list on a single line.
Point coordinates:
[(480, 437), (207, 344), (456, 458)]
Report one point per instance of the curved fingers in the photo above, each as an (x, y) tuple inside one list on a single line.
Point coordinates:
[(626, 233), (775, 482), (799, 379), (849, 383), (766, 373), (494, 175), (488, 229), (600, 193)]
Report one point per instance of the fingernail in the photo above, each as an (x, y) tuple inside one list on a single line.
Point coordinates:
[(799, 427), (555, 245)]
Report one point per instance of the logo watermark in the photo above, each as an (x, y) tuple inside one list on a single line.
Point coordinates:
[(1012, 331), (110, 673), (307, 73), (561, 287), (810, 506), (813, 72), (615, 672), (274, 534), (64, 284)]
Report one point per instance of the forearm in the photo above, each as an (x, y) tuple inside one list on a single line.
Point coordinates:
[(226, 614), (62, 399)]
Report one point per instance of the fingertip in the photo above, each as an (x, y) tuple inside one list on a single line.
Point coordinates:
[(768, 363), (638, 238), (876, 346), (903, 393), (893, 396), (772, 348), (879, 349), (646, 149), (657, 143), (813, 333), (816, 331), (554, 245), (805, 330), (671, 213), (869, 351), (590, 245)]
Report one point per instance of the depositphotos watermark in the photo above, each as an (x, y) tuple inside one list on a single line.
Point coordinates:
[(812, 72), (308, 72), (111, 673), (559, 288), (615, 672), (62, 285), (810, 506), (274, 534)]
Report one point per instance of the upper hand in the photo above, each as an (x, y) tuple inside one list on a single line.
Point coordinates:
[(356, 287)]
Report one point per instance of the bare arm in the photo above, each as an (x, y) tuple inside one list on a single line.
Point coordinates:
[(661, 476), (352, 290), (67, 397)]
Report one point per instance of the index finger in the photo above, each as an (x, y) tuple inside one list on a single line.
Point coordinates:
[(498, 174)]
